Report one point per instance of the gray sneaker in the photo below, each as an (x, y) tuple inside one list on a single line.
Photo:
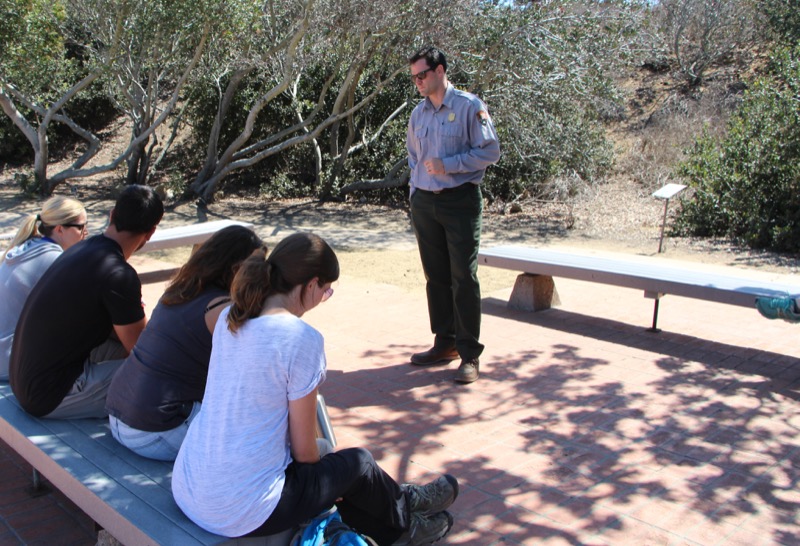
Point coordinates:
[(425, 529), (433, 497)]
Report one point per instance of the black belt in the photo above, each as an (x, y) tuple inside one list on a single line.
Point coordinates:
[(448, 190)]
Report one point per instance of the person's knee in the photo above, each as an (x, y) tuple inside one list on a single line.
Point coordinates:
[(362, 455), (360, 458)]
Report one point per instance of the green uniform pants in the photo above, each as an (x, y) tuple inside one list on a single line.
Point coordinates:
[(448, 230)]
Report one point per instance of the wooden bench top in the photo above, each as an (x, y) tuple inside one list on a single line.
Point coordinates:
[(188, 235), (649, 274), (128, 495)]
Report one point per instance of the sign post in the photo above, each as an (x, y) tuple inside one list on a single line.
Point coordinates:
[(666, 193)]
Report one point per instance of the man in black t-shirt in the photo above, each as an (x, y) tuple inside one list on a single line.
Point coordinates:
[(84, 316)]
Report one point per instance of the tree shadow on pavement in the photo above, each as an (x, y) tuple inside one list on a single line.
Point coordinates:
[(577, 443)]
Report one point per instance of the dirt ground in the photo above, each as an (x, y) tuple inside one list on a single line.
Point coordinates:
[(376, 242)]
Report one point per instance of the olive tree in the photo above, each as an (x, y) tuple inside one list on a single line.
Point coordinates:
[(136, 48), (161, 43), (329, 66), (698, 33), (261, 39), (38, 78), (543, 70)]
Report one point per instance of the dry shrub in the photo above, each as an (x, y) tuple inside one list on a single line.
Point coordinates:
[(666, 134)]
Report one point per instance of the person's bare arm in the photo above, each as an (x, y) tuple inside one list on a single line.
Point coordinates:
[(303, 428), (218, 304), (128, 334)]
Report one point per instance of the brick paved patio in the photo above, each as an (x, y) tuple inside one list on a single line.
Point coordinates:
[(583, 429)]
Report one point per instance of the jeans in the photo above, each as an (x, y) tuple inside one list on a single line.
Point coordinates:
[(372, 502), (162, 445)]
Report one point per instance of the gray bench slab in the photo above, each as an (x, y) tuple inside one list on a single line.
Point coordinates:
[(194, 234), (164, 238), (128, 495), (651, 275)]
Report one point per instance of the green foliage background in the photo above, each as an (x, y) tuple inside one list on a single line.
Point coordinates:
[(549, 72), (747, 185), (39, 59)]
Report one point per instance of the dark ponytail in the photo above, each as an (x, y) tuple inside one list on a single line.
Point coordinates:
[(249, 289), (295, 260)]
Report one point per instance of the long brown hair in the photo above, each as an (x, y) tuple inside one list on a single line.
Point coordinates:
[(295, 260), (213, 264)]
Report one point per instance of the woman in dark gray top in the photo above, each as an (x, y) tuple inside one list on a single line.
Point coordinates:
[(158, 390)]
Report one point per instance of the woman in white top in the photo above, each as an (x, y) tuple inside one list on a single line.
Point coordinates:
[(39, 241), (250, 465)]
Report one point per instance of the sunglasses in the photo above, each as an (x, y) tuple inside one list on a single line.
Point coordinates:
[(419, 76), (79, 227), (327, 294)]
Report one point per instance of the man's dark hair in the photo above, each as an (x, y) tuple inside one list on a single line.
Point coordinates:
[(432, 55), (138, 209)]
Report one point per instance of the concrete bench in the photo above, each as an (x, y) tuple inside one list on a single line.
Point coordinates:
[(127, 495), (194, 234), (164, 238), (535, 290)]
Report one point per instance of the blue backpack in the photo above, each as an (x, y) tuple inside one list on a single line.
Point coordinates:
[(328, 529)]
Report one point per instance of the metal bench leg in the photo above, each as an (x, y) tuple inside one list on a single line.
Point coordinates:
[(324, 426), (38, 488), (654, 328)]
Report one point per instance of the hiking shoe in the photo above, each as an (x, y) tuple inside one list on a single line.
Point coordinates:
[(425, 529), (778, 308), (467, 371), (435, 355), (433, 497)]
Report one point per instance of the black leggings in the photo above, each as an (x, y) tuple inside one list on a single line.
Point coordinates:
[(372, 502)]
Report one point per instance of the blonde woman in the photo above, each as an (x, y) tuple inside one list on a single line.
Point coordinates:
[(39, 241)]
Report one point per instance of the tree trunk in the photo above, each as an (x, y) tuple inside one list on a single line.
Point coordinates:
[(397, 176), (338, 166), (204, 187), (317, 152), (276, 143), (134, 162), (40, 160), (38, 137), (344, 101), (210, 164)]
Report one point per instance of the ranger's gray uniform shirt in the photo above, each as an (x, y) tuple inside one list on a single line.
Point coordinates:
[(460, 133)]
